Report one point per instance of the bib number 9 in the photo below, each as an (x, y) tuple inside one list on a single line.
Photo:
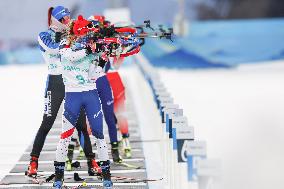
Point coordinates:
[(81, 79)]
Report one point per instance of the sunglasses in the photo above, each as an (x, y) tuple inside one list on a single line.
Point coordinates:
[(89, 26), (62, 20)]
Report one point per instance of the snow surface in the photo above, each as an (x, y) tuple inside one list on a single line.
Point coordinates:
[(239, 112), (21, 109)]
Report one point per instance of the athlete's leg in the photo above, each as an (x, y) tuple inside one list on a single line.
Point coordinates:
[(54, 95), (84, 135), (71, 113), (119, 109), (85, 143), (70, 116), (119, 101), (106, 97), (95, 117)]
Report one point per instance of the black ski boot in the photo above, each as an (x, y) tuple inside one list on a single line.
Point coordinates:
[(115, 152), (106, 176), (59, 174)]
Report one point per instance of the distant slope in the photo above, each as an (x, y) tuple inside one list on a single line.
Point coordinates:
[(183, 59), (230, 42)]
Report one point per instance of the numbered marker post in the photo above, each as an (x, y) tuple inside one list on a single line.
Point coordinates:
[(160, 95), (170, 114), (169, 111), (157, 90), (163, 99), (181, 133), (194, 151), (169, 120), (165, 102)]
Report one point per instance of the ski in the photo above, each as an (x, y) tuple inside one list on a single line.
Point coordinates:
[(35, 179), (123, 164), (40, 179), (133, 180), (120, 179)]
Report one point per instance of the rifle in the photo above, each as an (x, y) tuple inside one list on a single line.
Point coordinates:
[(122, 41)]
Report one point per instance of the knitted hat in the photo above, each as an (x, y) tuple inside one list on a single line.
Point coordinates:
[(81, 26), (59, 12)]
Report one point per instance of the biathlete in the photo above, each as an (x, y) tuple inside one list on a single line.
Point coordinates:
[(112, 94), (80, 92), (58, 19)]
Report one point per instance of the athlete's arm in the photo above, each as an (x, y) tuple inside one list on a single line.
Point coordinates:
[(47, 44), (70, 54)]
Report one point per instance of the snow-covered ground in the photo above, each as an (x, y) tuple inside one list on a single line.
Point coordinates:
[(21, 108), (239, 112)]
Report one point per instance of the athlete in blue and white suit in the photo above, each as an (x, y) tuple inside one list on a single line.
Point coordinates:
[(55, 89), (80, 91), (106, 97)]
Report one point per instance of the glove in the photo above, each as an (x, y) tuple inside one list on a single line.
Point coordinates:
[(88, 50), (108, 32), (95, 72), (102, 62), (57, 37), (99, 47)]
